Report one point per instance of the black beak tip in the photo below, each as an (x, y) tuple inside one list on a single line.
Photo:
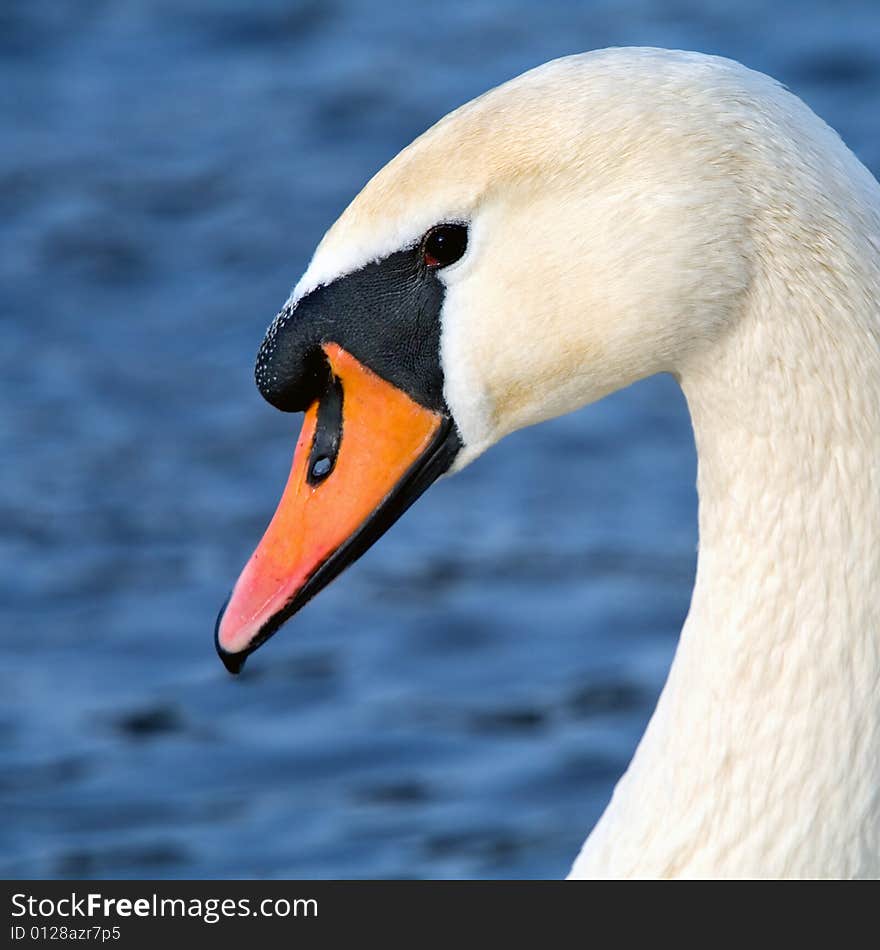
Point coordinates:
[(234, 662)]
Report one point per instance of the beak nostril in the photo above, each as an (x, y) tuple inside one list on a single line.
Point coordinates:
[(328, 433), (321, 467)]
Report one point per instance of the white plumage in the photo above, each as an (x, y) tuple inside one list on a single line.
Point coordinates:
[(639, 211)]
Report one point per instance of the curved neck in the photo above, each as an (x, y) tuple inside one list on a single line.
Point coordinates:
[(763, 755)]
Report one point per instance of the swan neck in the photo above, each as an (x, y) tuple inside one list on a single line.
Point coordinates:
[(763, 756)]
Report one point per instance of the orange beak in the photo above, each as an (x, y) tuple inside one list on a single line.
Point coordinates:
[(365, 453)]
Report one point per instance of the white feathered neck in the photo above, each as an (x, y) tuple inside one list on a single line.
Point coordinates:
[(763, 756), (639, 211)]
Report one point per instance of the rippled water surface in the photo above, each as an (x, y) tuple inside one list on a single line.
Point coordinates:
[(462, 700)]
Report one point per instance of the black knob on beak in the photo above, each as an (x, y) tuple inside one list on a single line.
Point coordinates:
[(291, 370)]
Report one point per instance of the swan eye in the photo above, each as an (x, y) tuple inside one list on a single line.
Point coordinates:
[(444, 245)]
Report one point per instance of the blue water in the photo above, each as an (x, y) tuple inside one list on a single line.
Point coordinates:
[(461, 702)]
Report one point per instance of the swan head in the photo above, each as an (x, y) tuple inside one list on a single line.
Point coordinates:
[(558, 238)]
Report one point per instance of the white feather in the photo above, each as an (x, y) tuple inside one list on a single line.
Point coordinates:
[(639, 211)]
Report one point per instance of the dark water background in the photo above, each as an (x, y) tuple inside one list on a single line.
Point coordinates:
[(462, 701)]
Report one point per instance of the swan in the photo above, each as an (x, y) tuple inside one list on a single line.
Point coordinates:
[(599, 219)]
